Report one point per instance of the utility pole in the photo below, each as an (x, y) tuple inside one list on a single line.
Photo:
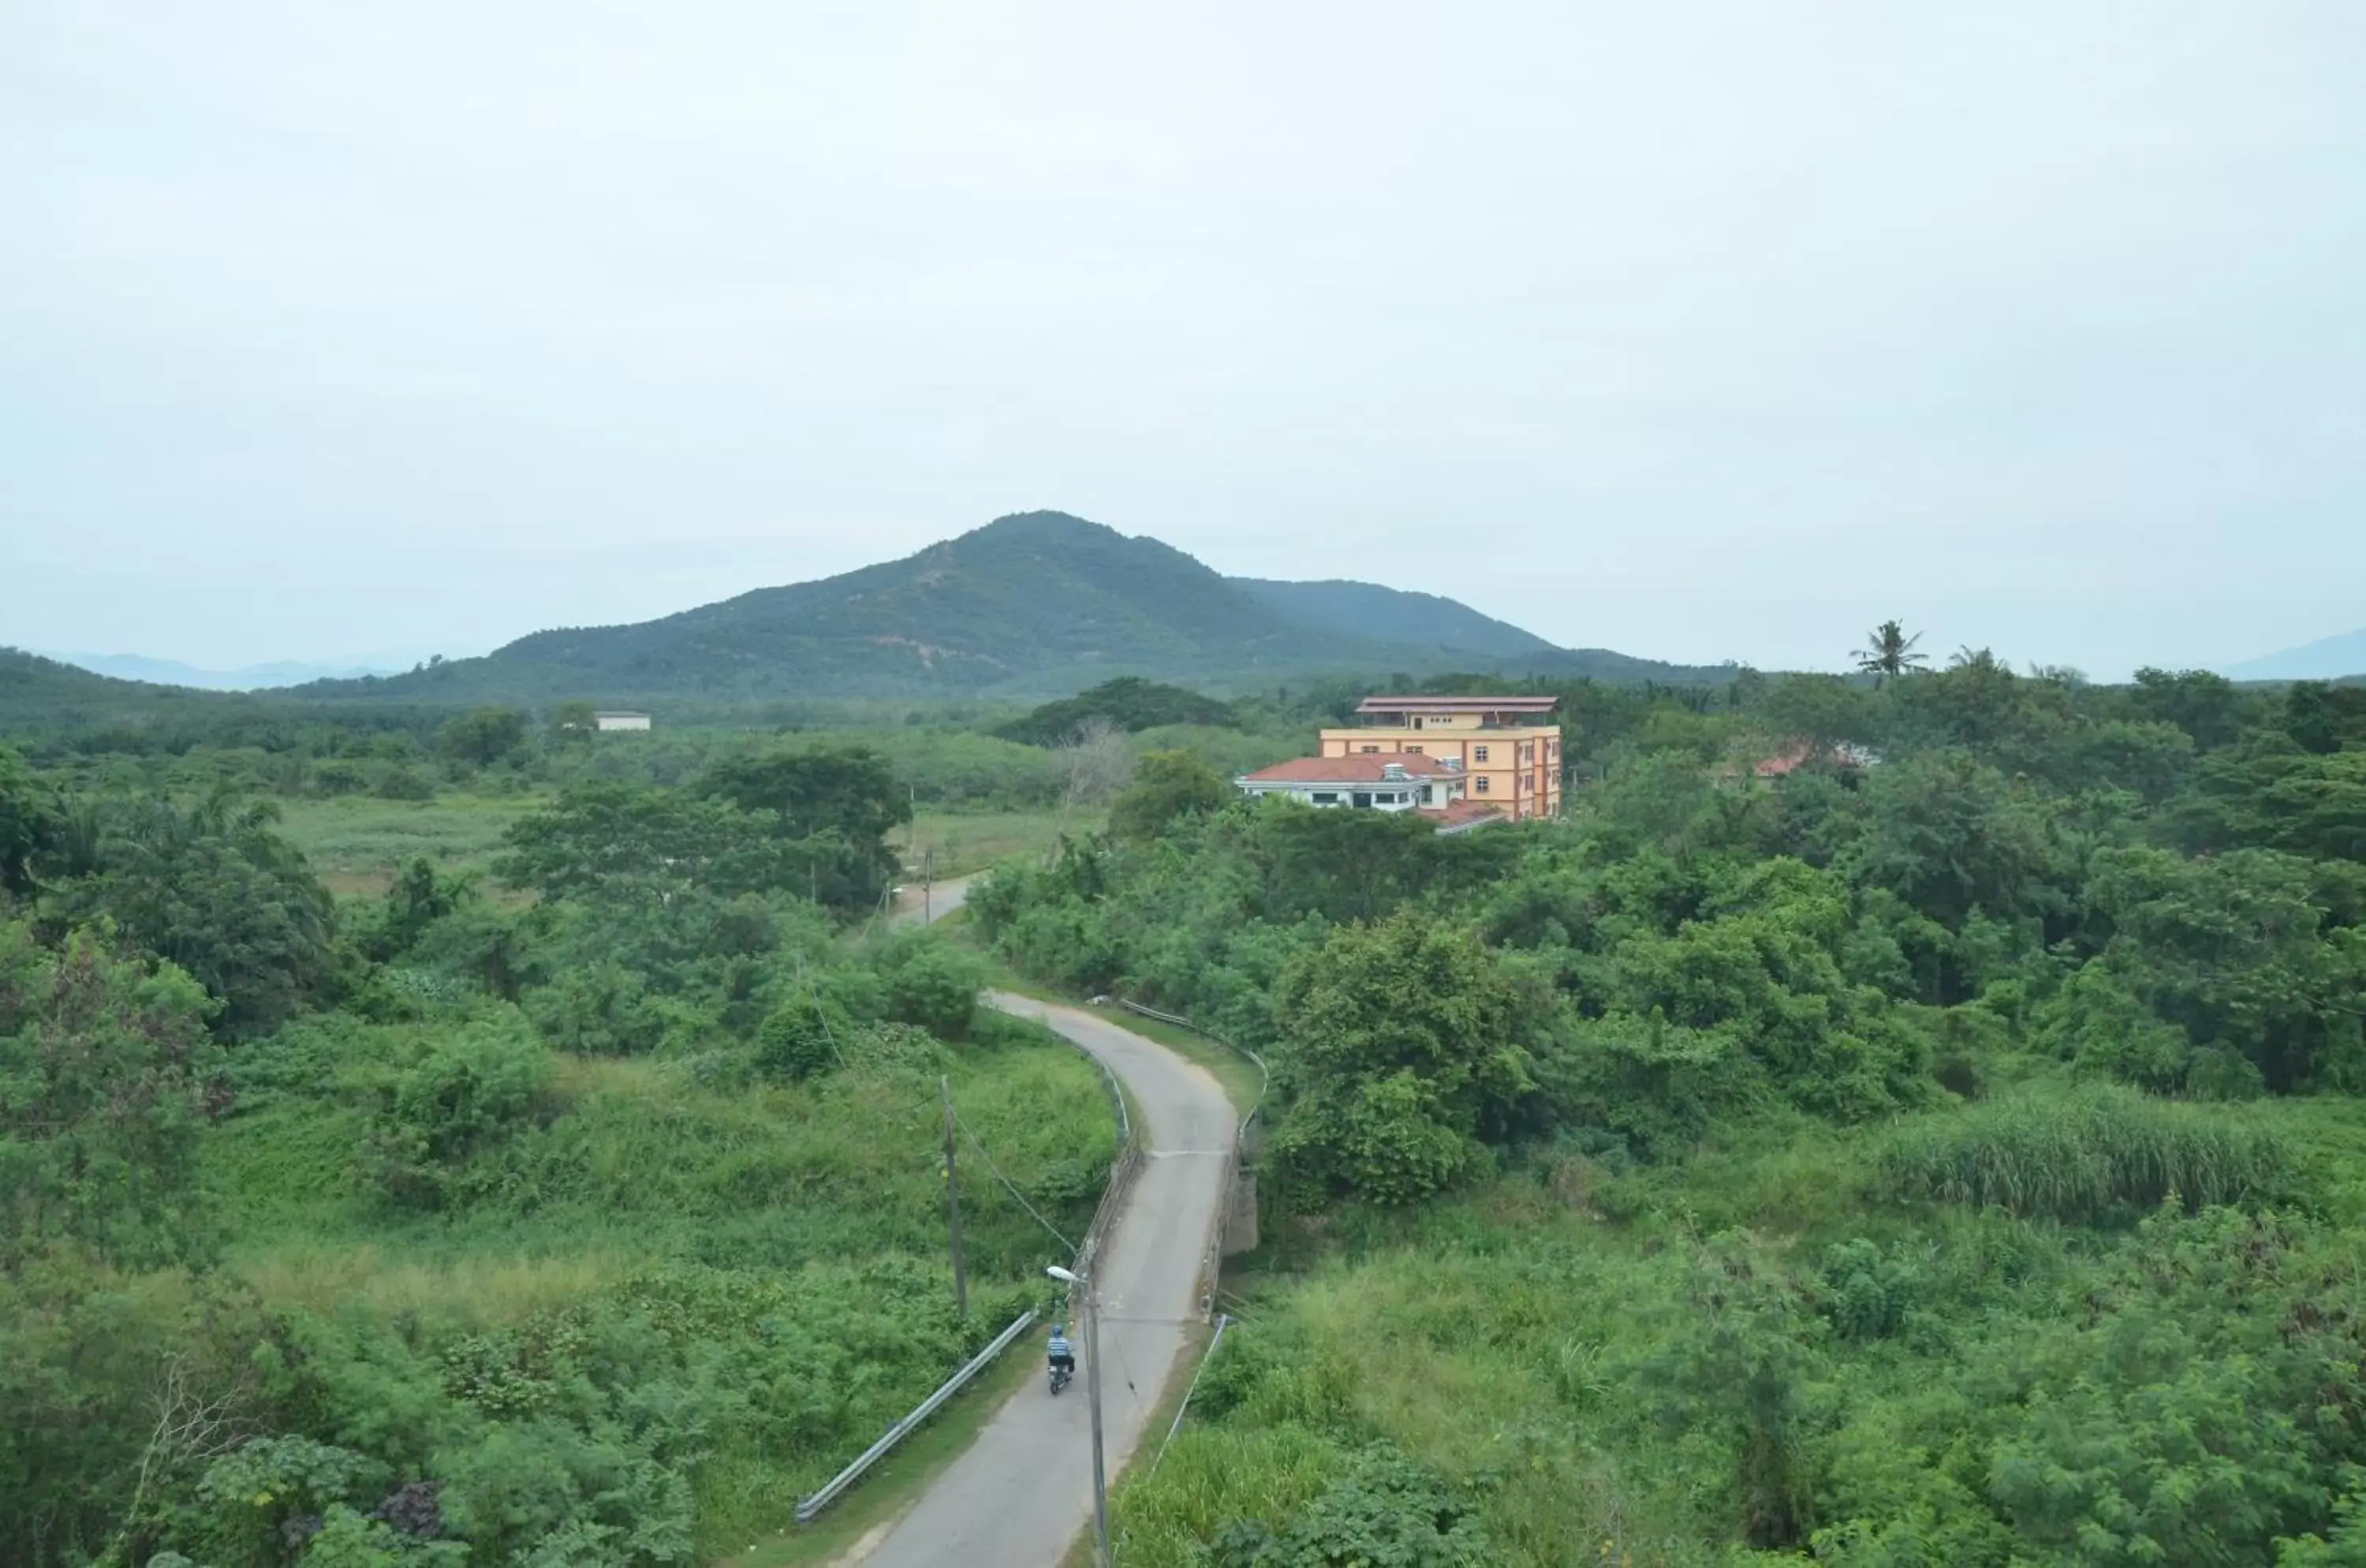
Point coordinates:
[(1081, 1278), (1093, 1392), (927, 887), (953, 1202)]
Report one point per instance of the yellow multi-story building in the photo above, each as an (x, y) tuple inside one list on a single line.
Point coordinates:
[(1509, 747)]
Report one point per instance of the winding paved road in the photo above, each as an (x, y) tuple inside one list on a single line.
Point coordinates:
[(1018, 1498)]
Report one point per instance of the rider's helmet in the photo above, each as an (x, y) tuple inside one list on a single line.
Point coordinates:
[(1059, 1331)]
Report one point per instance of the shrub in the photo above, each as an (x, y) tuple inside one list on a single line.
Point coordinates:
[(468, 1094), (1387, 1509), (932, 984), (398, 783), (801, 1038)]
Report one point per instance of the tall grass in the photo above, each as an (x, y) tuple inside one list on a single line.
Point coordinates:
[(649, 1166), (357, 843), (473, 1291), (2097, 1154)]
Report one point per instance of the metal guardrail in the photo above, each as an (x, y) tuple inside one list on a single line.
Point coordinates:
[(810, 1507), (1211, 1262), (1122, 1169)]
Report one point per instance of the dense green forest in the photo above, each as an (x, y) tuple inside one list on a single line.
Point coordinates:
[(1934, 1146), (1902, 1119)]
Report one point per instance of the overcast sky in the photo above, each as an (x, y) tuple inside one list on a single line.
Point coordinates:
[(1697, 330)]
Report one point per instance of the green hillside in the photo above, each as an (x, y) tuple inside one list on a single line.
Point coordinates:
[(35, 691), (1368, 609), (1036, 605)]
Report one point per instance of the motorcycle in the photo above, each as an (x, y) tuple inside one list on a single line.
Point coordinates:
[(1061, 1376)]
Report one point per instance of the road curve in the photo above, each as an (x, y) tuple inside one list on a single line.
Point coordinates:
[(1020, 1493), (915, 903)]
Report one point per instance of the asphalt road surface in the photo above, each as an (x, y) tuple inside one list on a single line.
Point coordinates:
[(914, 905), (1020, 1494)]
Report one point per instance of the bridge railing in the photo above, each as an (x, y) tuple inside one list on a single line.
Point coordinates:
[(1245, 1135)]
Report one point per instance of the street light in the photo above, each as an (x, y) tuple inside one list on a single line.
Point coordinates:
[(1083, 1283)]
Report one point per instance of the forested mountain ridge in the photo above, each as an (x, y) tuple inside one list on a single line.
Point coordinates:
[(34, 689), (1038, 603), (1353, 608)]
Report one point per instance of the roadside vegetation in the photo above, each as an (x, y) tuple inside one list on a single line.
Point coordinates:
[(1909, 1120), (574, 1195), (1901, 1121)]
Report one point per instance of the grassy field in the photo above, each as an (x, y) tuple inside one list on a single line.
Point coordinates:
[(356, 844), (960, 841)]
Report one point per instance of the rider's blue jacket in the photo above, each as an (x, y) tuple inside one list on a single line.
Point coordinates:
[(1058, 1346)]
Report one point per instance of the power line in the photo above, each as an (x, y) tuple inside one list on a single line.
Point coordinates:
[(987, 1156)]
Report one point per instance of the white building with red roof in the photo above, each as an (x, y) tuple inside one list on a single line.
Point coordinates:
[(1376, 780)]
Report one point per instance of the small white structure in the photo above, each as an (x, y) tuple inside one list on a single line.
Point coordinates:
[(607, 721), (1380, 781)]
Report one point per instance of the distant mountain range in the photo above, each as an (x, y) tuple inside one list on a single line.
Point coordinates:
[(252, 678), (1037, 604), (2328, 659)]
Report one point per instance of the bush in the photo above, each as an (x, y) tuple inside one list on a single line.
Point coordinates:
[(933, 984), (400, 782), (1386, 1510), (800, 1039), (469, 1094)]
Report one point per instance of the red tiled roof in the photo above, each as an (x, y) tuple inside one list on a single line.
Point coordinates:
[(1795, 756), (1363, 767), (1782, 762), (1460, 812), (1457, 705)]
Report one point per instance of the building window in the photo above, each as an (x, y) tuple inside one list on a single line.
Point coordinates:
[(1371, 751), (1324, 797), (1414, 750), (1478, 753), (1482, 782)]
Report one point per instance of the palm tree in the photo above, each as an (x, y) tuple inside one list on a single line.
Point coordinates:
[(1888, 652)]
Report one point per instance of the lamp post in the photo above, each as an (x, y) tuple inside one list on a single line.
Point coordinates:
[(1082, 1281)]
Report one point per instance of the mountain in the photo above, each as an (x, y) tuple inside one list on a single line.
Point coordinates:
[(35, 691), (252, 678), (1365, 609), (1036, 605), (2328, 659)]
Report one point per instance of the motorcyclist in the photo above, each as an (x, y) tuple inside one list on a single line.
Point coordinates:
[(1062, 1354)]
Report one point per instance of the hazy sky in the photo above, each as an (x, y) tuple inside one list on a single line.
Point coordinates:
[(1693, 330)]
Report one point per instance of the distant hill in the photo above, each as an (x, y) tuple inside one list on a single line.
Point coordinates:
[(1367, 609), (1037, 604), (37, 692), (1129, 702), (250, 678), (2328, 659)]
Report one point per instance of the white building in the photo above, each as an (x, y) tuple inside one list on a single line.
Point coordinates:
[(1376, 780), (607, 721)]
